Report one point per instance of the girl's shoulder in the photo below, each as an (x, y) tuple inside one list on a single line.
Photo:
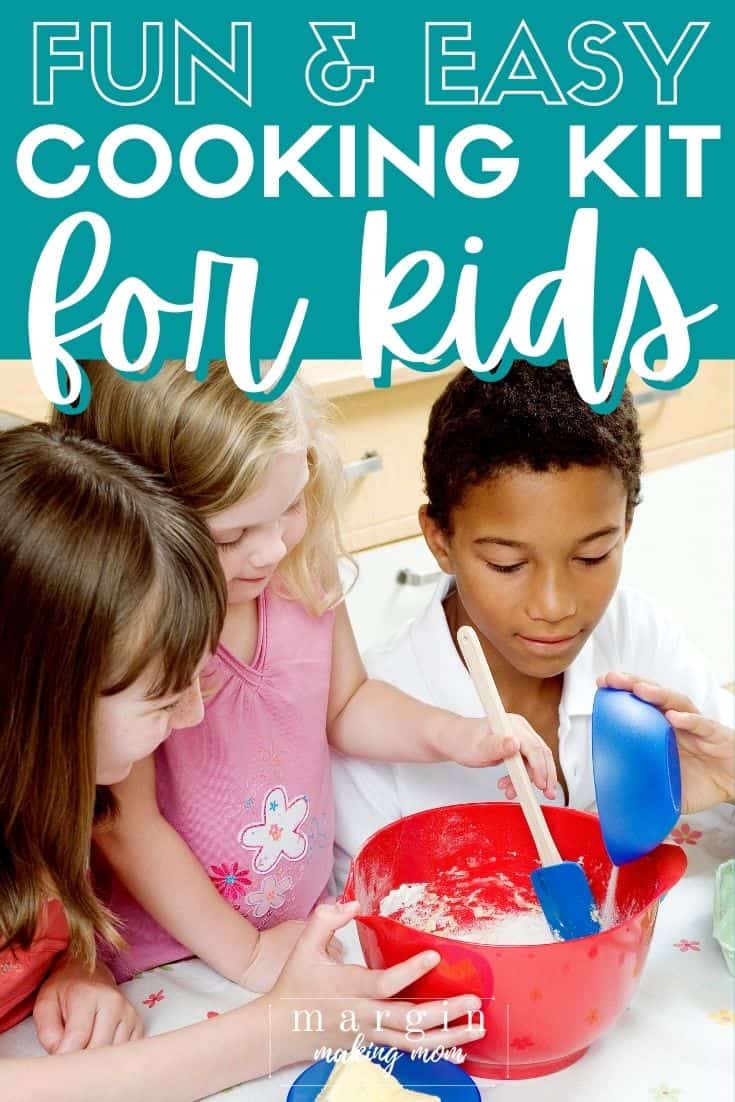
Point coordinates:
[(283, 610)]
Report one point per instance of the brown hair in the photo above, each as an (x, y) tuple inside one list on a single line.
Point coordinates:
[(533, 418), (213, 444), (102, 572)]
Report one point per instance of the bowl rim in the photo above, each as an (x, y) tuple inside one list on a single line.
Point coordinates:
[(348, 894)]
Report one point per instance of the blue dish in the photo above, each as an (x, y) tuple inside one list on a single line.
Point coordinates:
[(635, 761), (444, 1079)]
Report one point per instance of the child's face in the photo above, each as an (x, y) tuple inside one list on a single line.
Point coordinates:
[(257, 532), (129, 726), (537, 557)]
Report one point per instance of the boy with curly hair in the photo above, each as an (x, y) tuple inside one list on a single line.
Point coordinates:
[(531, 495)]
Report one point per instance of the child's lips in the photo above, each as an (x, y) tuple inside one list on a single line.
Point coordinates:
[(549, 644)]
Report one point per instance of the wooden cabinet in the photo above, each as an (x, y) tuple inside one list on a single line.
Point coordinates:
[(382, 504), (19, 391), (696, 420), (381, 435), (381, 432)]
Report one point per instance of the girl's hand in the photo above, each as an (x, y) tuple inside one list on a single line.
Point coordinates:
[(331, 993), (75, 1009), (472, 742), (706, 747), (272, 950)]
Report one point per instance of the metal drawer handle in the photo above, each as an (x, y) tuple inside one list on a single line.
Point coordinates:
[(649, 397), (369, 464), (413, 577)]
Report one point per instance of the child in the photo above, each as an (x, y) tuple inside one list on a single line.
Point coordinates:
[(92, 593), (111, 596), (240, 851), (530, 498)]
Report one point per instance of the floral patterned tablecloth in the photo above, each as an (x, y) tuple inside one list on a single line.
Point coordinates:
[(676, 1040)]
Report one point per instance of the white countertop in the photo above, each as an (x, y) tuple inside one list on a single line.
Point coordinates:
[(676, 1041)]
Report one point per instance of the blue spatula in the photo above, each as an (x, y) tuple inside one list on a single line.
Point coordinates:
[(561, 886)]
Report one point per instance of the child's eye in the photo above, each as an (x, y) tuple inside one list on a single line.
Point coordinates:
[(510, 569), (170, 707), (594, 561), (227, 545)]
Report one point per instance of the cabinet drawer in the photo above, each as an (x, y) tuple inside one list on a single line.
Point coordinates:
[(394, 585)]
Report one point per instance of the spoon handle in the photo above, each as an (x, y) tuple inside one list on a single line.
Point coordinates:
[(487, 690)]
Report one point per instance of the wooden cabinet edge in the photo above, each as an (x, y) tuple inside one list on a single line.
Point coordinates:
[(377, 535), (335, 379), (407, 526), (655, 459)]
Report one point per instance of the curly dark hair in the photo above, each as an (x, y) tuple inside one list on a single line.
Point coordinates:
[(533, 418)]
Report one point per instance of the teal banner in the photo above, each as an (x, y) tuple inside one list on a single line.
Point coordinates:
[(411, 182)]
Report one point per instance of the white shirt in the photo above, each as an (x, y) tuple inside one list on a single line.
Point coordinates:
[(632, 636)]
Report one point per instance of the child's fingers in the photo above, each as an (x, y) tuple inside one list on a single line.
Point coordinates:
[(650, 691), (538, 756), (663, 698), (427, 1016), (388, 982), (435, 1038), (49, 1022), (78, 1026), (106, 1021), (336, 950), (123, 1033), (693, 723), (327, 918), (616, 679)]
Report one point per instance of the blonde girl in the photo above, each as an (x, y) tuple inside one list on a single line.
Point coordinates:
[(224, 843), (111, 597)]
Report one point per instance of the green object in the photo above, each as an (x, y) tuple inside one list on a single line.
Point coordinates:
[(724, 920)]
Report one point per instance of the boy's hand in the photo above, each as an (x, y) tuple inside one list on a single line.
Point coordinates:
[(272, 950), (76, 1009), (706, 747), (311, 982), (471, 742)]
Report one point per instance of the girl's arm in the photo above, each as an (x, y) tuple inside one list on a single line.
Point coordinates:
[(371, 719), (161, 872), (182, 1066), (268, 1034)]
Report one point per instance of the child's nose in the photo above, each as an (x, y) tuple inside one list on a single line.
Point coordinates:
[(270, 551), (190, 709), (552, 597)]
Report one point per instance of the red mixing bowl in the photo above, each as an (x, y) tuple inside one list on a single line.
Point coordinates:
[(544, 1005)]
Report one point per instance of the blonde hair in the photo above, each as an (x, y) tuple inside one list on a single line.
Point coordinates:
[(102, 572), (213, 444)]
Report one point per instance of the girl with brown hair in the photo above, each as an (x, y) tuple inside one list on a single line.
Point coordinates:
[(111, 599)]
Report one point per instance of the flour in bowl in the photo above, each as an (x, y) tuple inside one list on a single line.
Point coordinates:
[(467, 918)]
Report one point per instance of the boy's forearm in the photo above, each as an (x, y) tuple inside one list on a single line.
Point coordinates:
[(182, 1066), (380, 722), (160, 871)]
